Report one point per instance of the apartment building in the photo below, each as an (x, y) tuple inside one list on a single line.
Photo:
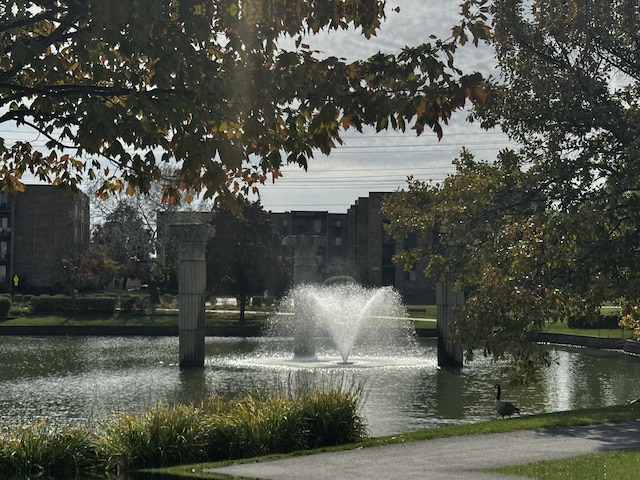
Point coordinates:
[(356, 244), (40, 229), (372, 250), (328, 231)]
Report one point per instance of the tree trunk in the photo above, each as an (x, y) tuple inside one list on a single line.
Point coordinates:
[(154, 293), (243, 306)]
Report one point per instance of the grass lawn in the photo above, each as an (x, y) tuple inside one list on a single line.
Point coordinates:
[(230, 318), (621, 465), (561, 327)]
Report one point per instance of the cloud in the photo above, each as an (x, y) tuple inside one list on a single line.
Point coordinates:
[(381, 162)]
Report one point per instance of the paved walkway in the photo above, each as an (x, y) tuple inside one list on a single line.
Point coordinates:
[(447, 458)]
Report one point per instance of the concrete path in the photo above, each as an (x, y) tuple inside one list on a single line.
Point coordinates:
[(447, 458)]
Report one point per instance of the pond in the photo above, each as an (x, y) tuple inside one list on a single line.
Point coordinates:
[(86, 380)]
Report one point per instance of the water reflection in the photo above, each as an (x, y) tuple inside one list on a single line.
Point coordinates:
[(85, 380)]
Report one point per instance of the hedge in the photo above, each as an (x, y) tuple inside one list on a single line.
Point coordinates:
[(67, 305), (134, 303), (607, 320), (5, 305)]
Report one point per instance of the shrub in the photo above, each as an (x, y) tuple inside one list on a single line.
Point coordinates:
[(97, 304), (607, 320), (168, 300), (134, 303), (52, 304), (257, 301), (67, 305), (5, 305)]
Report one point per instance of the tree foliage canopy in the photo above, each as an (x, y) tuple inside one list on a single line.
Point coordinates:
[(127, 240), (206, 86), (245, 256), (552, 230)]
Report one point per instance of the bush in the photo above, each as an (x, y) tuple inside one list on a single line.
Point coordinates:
[(97, 304), (168, 300), (63, 304), (600, 321), (52, 304), (134, 303), (257, 301), (5, 305)]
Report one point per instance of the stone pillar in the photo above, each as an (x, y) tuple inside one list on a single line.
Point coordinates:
[(305, 271), (305, 263), (191, 240), (447, 299)]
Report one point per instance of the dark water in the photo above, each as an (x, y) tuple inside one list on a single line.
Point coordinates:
[(86, 380)]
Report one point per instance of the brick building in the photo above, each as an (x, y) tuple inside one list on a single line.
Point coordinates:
[(372, 251), (39, 229), (356, 244), (352, 243), (330, 232)]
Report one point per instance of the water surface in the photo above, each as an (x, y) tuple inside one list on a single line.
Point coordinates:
[(85, 380)]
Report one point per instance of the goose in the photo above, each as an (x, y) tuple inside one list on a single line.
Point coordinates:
[(504, 408)]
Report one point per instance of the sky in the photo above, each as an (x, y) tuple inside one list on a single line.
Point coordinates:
[(377, 162), (382, 162)]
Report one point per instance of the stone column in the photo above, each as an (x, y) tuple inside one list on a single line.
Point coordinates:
[(305, 271), (447, 299), (191, 240), (305, 263)]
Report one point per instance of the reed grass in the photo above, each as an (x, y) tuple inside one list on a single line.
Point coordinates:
[(300, 414), (256, 424), (159, 437), (34, 450)]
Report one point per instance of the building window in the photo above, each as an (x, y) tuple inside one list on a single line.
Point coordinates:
[(3, 274), (4, 224), (4, 249)]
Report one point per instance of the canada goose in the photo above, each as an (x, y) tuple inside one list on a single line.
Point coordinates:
[(504, 408)]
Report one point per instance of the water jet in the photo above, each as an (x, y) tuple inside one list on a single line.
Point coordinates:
[(350, 315)]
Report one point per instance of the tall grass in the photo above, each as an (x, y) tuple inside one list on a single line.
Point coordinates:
[(301, 413), (34, 450), (161, 436)]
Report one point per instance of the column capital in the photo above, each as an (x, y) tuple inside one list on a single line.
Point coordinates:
[(188, 235)]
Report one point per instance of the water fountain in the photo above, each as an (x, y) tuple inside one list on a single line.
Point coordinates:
[(349, 314)]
